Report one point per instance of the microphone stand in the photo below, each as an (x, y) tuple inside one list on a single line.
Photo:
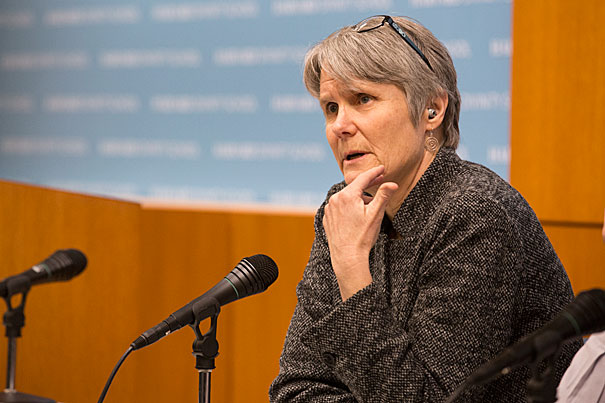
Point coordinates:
[(205, 346), (14, 320)]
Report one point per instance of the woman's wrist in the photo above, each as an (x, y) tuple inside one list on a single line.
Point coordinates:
[(352, 275)]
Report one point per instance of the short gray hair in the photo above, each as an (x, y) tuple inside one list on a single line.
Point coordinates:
[(382, 56)]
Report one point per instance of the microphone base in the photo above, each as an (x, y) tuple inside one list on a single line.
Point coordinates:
[(18, 397)]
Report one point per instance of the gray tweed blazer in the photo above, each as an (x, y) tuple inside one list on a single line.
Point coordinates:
[(469, 273)]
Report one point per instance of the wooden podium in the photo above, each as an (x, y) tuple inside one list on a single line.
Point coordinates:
[(144, 262)]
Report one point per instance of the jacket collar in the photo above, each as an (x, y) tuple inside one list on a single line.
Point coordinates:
[(428, 193)]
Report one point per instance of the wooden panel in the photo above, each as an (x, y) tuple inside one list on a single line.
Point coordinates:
[(558, 108), (258, 326), (185, 254), (75, 332), (143, 265), (582, 252), (188, 251)]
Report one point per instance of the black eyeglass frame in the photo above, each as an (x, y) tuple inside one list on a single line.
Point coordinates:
[(397, 29)]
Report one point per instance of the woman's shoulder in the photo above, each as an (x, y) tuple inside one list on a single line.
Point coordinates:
[(476, 191), (475, 177), (478, 183)]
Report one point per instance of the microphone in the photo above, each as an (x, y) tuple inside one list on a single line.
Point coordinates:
[(60, 266), (252, 275), (584, 315)]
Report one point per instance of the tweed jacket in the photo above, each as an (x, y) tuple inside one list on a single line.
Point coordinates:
[(469, 272)]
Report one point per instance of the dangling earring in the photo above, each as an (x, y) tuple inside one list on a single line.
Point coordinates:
[(431, 143)]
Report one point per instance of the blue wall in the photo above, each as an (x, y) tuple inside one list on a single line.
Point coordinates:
[(203, 100)]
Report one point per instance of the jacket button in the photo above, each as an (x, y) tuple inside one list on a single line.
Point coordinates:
[(329, 359)]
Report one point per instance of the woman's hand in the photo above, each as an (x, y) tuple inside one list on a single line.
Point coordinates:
[(352, 223)]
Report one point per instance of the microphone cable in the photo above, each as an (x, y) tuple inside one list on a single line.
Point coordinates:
[(113, 374)]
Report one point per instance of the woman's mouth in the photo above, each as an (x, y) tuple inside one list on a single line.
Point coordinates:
[(353, 156)]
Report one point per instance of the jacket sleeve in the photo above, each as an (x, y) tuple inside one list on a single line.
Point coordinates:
[(463, 302)]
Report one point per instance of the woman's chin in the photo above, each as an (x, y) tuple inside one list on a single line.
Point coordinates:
[(350, 173), (351, 176)]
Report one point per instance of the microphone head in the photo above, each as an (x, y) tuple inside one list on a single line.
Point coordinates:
[(63, 265), (586, 314), (252, 275), (266, 268)]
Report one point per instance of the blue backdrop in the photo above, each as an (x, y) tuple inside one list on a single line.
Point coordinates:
[(203, 100)]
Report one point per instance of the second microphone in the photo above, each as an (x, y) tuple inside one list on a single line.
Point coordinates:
[(252, 275)]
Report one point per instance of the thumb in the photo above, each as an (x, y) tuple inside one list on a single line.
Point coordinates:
[(382, 196)]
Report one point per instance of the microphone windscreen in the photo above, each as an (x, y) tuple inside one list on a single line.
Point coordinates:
[(587, 313), (65, 264), (252, 275), (266, 268)]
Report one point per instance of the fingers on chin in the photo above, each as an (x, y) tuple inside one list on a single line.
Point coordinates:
[(376, 181), (390, 186)]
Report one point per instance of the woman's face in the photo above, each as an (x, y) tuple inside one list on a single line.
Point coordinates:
[(367, 125)]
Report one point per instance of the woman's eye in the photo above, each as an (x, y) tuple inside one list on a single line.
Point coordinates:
[(364, 99), (331, 107)]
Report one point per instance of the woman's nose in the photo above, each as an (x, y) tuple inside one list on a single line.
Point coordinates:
[(343, 125)]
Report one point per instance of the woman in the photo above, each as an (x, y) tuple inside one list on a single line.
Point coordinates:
[(424, 266)]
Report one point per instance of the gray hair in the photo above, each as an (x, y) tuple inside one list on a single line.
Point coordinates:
[(382, 56)]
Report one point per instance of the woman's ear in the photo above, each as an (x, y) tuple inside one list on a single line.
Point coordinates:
[(435, 111)]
